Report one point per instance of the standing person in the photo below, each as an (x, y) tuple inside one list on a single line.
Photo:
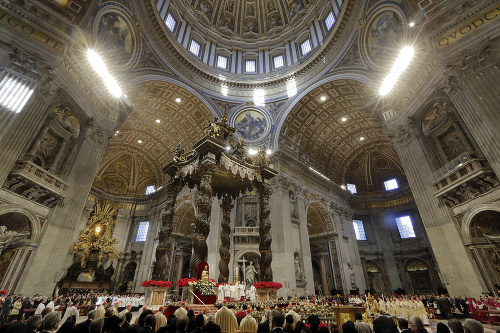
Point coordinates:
[(277, 319), (51, 322), (6, 306), (226, 319), (444, 307), (360, 325), (403, 325), (264, 326), (210, 326), (16, 309), (249, 324), (416, 325), (83, 327)]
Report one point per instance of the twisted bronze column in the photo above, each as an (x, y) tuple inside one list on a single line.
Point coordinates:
[(225, 255), (266, 256), (160, 268), (202, 221)]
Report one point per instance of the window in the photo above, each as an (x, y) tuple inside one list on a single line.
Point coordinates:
[(391, 184), (359, 229), (142, 232), (170, 22), (14, 93), (279, 61), (250, 66), (351, 188), (405, 227), (306, 47), (222, 62), (330, 20), (150, 189), (194, 48)]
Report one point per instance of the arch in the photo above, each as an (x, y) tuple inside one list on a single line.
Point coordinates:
[(184, 217), (155, 77), (292, 102), (416, 264), (372, 266), (239, 255), (32, 218), (468, 217), (318, 219)]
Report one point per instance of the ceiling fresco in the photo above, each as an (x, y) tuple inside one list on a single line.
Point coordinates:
[(142, 146)]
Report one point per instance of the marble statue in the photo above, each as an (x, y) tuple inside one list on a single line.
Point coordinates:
[(250, 273), (9, 236), (299, 272), (293, 205)]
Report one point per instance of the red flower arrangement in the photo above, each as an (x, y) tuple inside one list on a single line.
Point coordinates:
[(155, 283), (319, 326), (3, 291), (267, 284), (185, 282), (240, 314)]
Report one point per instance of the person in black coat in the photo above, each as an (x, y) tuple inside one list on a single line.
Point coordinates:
[(199, 321), (192, 322), (149, 324), (403, 325), (444, 307), (277, 319), (6, 306), (83, 327), (264, 326), (211, 327)]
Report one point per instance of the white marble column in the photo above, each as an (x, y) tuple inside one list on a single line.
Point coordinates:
[(147, 258), (284, 245), (305, 246)]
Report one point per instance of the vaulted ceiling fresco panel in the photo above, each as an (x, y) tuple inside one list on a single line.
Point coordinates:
[(179, 122), (314, 129)]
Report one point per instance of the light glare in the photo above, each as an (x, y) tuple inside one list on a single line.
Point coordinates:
[(344, 119), (178, 100), (158, 121), (323, 98), (252, 151), (99, 66), (401, 63)]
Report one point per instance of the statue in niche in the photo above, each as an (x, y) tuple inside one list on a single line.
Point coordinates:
[(293, 205), (351, 275), (299, 272), (250, 273), (108, 273), (9, 236)]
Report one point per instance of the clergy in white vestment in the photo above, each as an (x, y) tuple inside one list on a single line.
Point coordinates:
[(71, 311), (220, 295), (40, 308), (253, 294), (242, 292), (226, 319), (227, 292), (248, 324), (232, 293)]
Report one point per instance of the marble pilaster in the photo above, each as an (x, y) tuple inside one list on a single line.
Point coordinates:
[(60, 226), (460, 268)]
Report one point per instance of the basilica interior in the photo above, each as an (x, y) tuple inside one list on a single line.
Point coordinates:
[(140, 138)]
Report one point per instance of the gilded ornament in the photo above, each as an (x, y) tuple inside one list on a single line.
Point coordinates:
[(97, 235)]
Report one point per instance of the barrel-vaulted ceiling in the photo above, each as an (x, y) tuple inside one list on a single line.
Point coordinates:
[(331, 130), (164, 115)]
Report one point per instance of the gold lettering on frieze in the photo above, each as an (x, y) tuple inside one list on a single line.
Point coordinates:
[(113, 115), (480, 20), (423, 74), (391, 203), (19, 25)]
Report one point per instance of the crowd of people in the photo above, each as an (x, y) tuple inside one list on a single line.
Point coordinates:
[(114, 313)]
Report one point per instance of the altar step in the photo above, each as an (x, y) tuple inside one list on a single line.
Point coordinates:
[(198, 308)]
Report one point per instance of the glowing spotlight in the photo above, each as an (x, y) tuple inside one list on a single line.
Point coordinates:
[(344, 119), (342, 187), (100, 68), (117, 132), (228, 148), (139, 141), (269, 152), (178, 100), (412, 24), (362, 138), (158, 121), (323, 98), (259, 97), (252, 151), (401, 63)]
